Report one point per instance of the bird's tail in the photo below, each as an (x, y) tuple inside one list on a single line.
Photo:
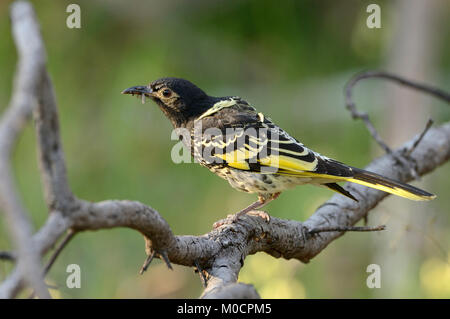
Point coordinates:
[(385, 184)]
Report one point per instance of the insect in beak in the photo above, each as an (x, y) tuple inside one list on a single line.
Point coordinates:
[(142, 91)]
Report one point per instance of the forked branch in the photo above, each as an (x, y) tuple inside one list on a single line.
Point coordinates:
[(218, 255)]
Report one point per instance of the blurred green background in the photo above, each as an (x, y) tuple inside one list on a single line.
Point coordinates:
[(291, 59)]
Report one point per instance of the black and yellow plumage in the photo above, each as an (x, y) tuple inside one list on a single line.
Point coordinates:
[(241, 145)]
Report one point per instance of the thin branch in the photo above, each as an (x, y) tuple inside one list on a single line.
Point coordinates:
[(433, 91), (8, 256), (346, 228), (58, 250), (199, 270), (147, 262), (55, 255), (438, 93), (419, 138)]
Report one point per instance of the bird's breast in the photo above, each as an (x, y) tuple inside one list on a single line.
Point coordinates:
[(258, 183)]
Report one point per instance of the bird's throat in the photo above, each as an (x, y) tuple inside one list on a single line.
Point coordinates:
[(176, 118)]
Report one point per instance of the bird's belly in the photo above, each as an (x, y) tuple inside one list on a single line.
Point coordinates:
[(257, 182)]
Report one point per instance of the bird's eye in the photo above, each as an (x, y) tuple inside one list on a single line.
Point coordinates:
[(166, 92)]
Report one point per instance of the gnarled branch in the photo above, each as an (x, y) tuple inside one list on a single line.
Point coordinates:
[(217, 255)]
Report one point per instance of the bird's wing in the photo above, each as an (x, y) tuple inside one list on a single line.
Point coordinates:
[(236, 135), (244, 139), (264, 147)]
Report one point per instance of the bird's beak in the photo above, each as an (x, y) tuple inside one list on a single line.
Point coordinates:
[(139, 90)]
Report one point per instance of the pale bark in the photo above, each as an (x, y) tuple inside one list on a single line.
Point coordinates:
[(219, 254)]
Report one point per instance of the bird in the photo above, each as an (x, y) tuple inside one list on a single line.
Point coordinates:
[(233, 140)]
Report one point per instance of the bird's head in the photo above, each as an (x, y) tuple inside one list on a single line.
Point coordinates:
[(179, 99)]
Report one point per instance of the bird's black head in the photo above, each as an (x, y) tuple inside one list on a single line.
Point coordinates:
[(179, 99)]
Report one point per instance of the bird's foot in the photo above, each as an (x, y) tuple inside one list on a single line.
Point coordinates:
[(235, 217), (263, 214), (252, 210)]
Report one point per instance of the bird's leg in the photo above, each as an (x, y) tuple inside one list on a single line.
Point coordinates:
[(261, 213), (258, 204), (261, 202)]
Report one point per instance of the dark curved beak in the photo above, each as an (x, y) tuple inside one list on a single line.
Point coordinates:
[(140, 90)]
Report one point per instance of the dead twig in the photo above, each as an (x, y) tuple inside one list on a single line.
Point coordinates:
[(345, 229), (438, 93), (8, 256)]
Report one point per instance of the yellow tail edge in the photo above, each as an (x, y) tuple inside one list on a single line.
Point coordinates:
[(375, 181), (397, 190)]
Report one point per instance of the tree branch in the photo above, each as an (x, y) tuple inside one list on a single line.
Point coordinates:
[(31, 64), (438, 93), (218, 255)]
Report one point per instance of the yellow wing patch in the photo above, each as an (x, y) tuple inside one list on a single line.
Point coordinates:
[(237, 158), (289, 164), (282, 159)]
